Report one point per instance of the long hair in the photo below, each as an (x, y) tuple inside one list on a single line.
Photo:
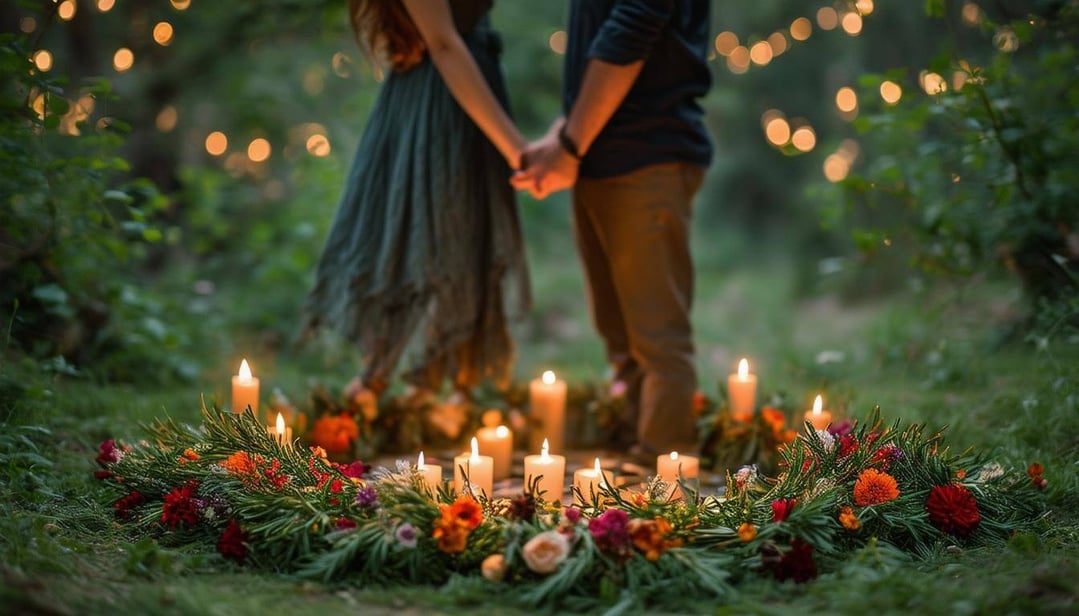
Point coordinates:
[(385, 29)]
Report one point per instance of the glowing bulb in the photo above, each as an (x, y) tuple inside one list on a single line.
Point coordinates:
[(778, 131), (827, 18), (846, 99), (163, 33), (43, 60)]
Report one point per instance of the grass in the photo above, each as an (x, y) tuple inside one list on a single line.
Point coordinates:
[(929, 356)]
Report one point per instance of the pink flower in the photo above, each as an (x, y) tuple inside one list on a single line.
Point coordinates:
[(610, 533), (108, 453), (545, 552)]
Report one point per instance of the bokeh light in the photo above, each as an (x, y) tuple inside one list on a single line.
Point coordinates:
[(761, 53), (827, 18), (932, 83), (778, 131), (43, 60), (166, 119), (725, 43), (123, 59), (216, 143), (801, 28), (846, 99), (1006, 40), (105, 5), (318, 145), (804, 138), (66, 10), (738, 60), (852, 24), (258, 150), (342, 65), (778, 41), (864, 7), (558, 41), (972, 14), (163, 33), (836, 168), (180, 5), (891, 92)]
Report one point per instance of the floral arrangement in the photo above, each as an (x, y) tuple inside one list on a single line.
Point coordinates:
[(728, 442), (277, 506)]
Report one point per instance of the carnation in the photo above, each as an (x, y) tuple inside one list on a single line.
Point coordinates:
[(874, 487), (953, 509), (233, 542), (181, 506), (609, 532), (108, 453), (545, 552)]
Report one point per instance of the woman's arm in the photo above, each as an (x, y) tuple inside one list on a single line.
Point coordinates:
[(463, 77)]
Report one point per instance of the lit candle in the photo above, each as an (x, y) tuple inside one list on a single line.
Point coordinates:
[(742, 391), (547, 411), (479, 470), (551, 471), (430, 475), (589, 480), (670, 466), (820, 419), (245, 390), (280, 432), (497, 443)]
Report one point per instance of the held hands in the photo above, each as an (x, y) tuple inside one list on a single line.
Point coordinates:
[(546, 166)]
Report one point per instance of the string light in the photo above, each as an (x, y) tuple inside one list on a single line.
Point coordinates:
[(827, 18), (891, 92), (216, 143), (852, 24), (123, 59), (761, 53), (258, 150), (725, 43), (105, 5), (66, 10), (43, 60), (801, 29), (163, 33)]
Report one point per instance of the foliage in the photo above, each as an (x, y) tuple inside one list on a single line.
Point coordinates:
[(278, 506), (980, 174), (73, 229)]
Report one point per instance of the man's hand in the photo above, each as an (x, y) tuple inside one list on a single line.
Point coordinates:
[(550, 168)]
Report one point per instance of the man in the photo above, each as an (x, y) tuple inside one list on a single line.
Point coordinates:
[(633, 146)]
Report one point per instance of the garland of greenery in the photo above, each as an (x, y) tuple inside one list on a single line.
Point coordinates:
[(285, 508)]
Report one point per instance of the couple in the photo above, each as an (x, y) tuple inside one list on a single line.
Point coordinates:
[(425, 256)]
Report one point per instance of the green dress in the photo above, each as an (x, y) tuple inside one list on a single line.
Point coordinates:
[(425, 258)]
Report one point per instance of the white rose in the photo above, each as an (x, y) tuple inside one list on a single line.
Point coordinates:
[(544, 552)]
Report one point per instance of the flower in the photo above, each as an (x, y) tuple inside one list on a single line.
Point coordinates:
[(886, 455), (841, 428), (335, 433), (233, 542), (456, 523), (650, 536), (953, 510), (609, 532), (848, 444), (781, 508), (346, 524), (242, 464), (522, 507), (572, 514), (405, 535), (544, 552), (745, 476), (124, 506), (494, 568), (747, 532), (874, 487), (108, 453), (180, 506), (467, 511), (354, 470), (1035, 471), (188, 455), (826, 439), (796, 564), (367, 497), (849, 520)]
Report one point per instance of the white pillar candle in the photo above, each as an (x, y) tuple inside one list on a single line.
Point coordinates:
[(589, 480), (245, 390), (547, 411), (742, 392), (430, 475), (818, 417), (479, 470), (497, 442), (670, 466), (551, 471), (280, 432)]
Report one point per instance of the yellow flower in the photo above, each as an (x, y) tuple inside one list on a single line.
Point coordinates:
[(874, 487), (747, 532)]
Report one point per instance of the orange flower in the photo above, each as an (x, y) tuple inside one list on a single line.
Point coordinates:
[(456, 523), (335, 433), (873, 487), (747, 532), (466, 511), (189, 455), (650, 536), (241, 463), (451, 537), (774, 418), (849, 520), (961, 474)]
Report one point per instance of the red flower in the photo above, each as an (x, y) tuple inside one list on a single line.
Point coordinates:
[(233, 542), (335, 486), (781, 508), (848, 444), (124, 506), (108, 453), (354, 470), (346, 524), (797, 564), (610, 533), (1035, 471), (180, 506), (953, 510)]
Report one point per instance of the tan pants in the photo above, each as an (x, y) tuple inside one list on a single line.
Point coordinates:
[(632, 235)]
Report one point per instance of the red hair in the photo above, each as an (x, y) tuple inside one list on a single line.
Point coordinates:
[(384, 28)]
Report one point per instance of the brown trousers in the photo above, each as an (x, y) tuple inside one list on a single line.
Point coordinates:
[(632, 235)]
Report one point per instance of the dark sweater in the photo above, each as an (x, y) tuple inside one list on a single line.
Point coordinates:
[(659, 120)]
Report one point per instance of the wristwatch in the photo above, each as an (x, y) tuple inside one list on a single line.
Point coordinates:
[(567, 143)]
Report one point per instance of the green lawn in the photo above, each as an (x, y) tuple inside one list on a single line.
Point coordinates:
[(933, 356)]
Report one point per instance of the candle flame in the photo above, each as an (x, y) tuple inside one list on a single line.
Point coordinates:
[(743, 369), (502, 431), (548, 377), (475, 450), (818, 404), (674, 455), (280, 425), (545, 451), (245, 371), (419, 461), (599, 471)]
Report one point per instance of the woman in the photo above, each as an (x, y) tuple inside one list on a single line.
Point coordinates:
[(425, 255)]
